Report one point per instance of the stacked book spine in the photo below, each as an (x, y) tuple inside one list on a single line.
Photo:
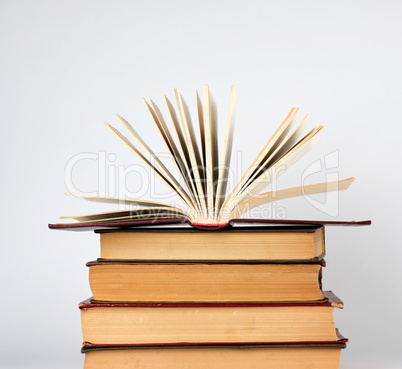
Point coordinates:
[(246, 297)]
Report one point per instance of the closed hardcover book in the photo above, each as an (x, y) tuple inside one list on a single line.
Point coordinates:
[(142, 324), (297, 243), (264, 356), (204, 282)]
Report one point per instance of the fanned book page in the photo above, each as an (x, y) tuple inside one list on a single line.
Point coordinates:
[(201, 177)]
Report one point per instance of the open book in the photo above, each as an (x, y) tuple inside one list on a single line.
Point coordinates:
[(202, 174)]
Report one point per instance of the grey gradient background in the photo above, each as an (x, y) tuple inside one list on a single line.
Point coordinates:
[(66, 66)]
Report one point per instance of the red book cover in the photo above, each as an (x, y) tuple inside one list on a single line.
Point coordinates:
[(90, 226), (332, 300)]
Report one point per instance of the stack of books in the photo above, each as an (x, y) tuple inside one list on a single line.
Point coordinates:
[(224, 293), (245, 297)]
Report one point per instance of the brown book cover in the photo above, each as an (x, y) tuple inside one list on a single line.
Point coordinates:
[(332, 300)]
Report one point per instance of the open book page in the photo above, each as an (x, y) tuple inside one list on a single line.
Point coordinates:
[(280, 138), (160, 123), (182, 146), (211, 150), (200, 113), (195, 158), (271, 174), (179, 190), (169, 178), (141, 209), (129, 214), (283, 164), (226, 151), (286, 193), (281, 148), (281, 131), (140, 218), (126, 201)]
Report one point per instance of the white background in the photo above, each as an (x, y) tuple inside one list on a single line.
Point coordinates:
[(66, 66)]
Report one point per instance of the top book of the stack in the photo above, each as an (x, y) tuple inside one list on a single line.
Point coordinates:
[(201, 184)]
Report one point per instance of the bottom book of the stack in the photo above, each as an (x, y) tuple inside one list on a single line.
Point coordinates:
[(263, 356)]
